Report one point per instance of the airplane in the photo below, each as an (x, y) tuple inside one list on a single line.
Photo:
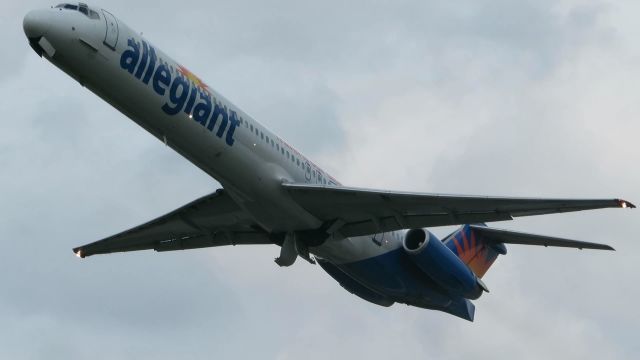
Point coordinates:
[(374, 243)]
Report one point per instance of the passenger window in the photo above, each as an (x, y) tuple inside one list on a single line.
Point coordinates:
[(282, 149), (278, 147), (267, 139), (298, 161), (271, 142), (256, 131), (287, 154), (251, 127)]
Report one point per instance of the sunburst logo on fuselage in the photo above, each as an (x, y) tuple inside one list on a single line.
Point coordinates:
[(193, 78)]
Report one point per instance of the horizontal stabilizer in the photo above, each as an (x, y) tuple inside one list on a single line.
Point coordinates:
[(512, 237)]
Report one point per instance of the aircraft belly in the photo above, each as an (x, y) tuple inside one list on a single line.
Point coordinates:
[(354, 249), (391, 275)]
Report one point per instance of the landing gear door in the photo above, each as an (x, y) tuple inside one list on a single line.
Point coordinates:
[(111, 36)]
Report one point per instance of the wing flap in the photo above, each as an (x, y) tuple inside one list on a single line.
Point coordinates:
[(389, 223)]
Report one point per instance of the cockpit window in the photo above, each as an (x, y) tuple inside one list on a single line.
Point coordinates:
[(82, 7), (68, 6)]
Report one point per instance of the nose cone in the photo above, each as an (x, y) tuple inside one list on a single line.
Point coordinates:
[(36, 23)]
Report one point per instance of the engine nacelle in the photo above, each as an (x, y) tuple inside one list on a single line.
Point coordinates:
[(441, 264)]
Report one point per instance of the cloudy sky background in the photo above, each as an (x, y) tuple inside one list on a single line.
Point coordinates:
[(524, 98)]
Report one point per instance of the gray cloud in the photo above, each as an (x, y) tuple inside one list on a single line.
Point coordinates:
[(493, 97)]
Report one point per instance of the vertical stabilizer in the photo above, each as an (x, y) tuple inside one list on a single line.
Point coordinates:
[(473, 249)]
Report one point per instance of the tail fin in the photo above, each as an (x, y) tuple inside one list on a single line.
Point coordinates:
[(474, 249)]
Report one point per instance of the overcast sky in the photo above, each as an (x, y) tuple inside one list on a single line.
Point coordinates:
[(503, 97)]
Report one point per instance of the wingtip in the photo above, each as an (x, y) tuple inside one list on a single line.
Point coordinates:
[(625, 204), (79, 253)]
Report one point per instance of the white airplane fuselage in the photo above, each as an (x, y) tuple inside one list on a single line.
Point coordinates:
[(250, 162), (225, 148)]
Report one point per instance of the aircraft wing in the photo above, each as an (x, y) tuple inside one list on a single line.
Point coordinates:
[(356, 212), (212, 220)]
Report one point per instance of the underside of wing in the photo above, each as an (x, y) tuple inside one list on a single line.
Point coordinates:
[(212, 220), (355, 212)]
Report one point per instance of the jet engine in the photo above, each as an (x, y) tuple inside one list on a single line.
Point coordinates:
[(441, 264)]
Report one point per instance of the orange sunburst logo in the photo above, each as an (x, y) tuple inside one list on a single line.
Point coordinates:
[(193, 78), (474, 252)]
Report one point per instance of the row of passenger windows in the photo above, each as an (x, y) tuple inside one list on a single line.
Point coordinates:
[(290, 156)]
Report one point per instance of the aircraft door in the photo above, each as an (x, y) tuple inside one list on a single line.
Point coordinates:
[(111, 36)]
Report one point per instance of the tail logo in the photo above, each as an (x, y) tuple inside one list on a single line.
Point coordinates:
[(472, 250)]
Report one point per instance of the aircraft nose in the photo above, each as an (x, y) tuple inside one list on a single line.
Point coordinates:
[(36, 23)]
